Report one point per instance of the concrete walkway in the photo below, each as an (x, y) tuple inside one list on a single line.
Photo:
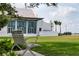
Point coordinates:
[(28, 53)]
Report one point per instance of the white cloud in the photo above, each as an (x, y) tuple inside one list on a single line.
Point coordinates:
[(63, 11), (62, 14)]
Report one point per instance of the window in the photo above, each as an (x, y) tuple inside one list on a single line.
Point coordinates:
[(32, 26), (40, 29), (21, 25), (11, 26)]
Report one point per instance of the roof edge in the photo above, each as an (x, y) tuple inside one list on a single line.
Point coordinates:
[(24, 18)]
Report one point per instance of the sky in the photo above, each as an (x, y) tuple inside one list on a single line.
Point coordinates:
[(67, 13)]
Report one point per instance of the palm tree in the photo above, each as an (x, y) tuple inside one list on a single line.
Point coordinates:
[(56, 23), (51, 24), (59, 23)]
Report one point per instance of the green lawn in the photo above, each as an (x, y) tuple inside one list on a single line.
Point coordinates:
[(56, 45)]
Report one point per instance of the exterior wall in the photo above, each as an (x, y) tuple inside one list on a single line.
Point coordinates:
[(3, 31), (46, 26), (46, 29), (40, 24)]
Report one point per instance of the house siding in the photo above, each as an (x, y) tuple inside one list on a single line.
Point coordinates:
[(3, 31), (40, 24), (46, 29)]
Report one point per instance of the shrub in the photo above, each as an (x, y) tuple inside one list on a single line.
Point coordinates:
[(67, 33), (5, 47), (59, 34)]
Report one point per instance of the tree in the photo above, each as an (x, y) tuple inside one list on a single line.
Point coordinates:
[(51, 24), (32, 5), (56, 23), (6, 13), (59, 23)]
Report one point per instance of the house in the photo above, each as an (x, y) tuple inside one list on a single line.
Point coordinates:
[(28, 22), (46, 29)]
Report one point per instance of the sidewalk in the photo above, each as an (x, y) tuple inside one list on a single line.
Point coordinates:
[(28, 53)]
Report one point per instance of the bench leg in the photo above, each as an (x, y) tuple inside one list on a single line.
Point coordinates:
[(24, 52)]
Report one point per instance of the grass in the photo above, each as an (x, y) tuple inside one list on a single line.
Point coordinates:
[(56, 45)]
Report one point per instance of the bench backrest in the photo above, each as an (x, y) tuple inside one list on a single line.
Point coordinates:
[(18, 37)]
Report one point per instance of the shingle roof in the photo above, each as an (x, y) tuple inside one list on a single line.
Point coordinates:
[(25, 12)]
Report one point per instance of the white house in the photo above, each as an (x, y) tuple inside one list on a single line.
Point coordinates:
[(29, 23)]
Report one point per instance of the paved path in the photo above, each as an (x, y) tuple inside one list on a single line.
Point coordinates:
[(28, 53)]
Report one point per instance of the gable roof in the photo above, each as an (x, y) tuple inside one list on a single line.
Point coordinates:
[(27, 13)]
